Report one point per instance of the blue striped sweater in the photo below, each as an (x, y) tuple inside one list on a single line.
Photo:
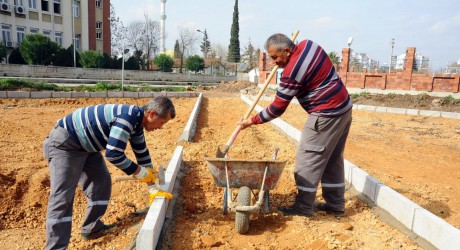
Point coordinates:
[(109, 127)]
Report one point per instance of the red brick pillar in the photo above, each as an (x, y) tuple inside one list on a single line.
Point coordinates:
[(410, 60), (345, 61), (262, 61), (262, 67)]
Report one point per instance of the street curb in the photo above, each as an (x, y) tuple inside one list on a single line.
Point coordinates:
[(190, 128), (150, 231)]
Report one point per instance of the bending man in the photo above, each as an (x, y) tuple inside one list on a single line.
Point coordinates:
[(310, 76), (73, 152)]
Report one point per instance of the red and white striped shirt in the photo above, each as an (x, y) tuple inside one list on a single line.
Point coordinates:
[(311, 77)]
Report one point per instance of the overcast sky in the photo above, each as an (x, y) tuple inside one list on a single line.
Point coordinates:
[(432, 26)]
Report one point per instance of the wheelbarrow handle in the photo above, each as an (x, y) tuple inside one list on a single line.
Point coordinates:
[(275, 154)]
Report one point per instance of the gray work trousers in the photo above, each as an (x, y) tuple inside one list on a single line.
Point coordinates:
[(70, 165), (320, 158)]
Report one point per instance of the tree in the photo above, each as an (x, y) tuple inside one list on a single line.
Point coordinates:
[(131, 64), (205, 45), (151, 37), (194, 63), (234, 46), (134, 36), (91, 59), (334, 58), (249, 55), (164, 62), (177, 53), (38, 49), (117, 32), (144, 37), (15, 57), (187, 38), (62, 57), (3, 53)]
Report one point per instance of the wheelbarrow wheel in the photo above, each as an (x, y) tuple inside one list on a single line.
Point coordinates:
[(242, 218), (225, 202)]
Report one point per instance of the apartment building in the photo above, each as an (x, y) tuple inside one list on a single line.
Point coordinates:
[(90, 25)]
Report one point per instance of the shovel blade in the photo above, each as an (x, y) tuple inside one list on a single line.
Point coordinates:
[(222, 151)]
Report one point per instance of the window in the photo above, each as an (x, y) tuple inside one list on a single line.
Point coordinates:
[(6, 34), (47, 33), (77, 41), (58, 38), (32, 4), (3, 1), (98, 25), (33, 31), (57, 6), (21, 33), (76, 9), (98, 3), (99, 35), (45, 6), (18, 3)]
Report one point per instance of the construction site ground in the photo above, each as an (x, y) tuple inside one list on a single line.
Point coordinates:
[(416, 156)]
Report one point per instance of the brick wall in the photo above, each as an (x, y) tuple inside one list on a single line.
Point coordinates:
[(406, 80)]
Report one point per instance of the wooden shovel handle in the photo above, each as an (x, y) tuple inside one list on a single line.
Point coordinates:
[(124, 178), (256, 100)]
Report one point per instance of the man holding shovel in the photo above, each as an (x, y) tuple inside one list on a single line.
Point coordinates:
[(73, 152), (310, 76)]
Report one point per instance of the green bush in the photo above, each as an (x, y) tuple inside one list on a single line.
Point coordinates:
[(164, 62), (15, 84)]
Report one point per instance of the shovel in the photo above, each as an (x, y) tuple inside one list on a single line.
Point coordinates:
[(223, 149)]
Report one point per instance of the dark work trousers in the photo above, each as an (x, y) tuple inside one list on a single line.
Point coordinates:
[(70, 165), (320, 158)]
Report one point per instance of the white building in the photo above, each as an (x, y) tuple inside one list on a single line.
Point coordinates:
[(421, 62), (364, 61)]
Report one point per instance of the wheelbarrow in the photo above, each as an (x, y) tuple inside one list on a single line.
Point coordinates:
[(246, 175)]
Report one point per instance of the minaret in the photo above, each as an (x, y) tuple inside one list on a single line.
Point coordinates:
[(162, 27)]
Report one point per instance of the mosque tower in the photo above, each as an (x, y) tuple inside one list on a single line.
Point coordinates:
[(162, 26)]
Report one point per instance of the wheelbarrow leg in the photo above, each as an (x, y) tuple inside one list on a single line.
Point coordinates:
[(266, 209), (225, 202)]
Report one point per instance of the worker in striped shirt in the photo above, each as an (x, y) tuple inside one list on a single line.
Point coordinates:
[(73, 152), (310, 76)]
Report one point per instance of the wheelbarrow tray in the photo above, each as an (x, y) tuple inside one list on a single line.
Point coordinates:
[(242, 172)]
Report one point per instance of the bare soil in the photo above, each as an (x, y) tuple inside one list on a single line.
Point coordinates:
[(417, 156)]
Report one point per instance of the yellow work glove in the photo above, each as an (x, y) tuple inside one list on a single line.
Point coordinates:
[(155, 191), (147, 175)]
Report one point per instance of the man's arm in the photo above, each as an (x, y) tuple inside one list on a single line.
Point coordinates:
[(116, 146)]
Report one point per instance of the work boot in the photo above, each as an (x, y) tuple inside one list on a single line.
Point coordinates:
[(292, 210), (324, 207), (101, 232)]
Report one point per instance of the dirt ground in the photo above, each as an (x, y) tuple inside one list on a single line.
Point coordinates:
[(410, 154)]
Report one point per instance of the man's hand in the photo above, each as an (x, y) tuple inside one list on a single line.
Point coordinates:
[(147, 175), (245, 123), (155, 191)]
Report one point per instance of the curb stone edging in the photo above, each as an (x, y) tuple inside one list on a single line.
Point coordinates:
[(190, 128)]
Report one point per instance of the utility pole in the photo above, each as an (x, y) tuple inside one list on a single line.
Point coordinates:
[(205, 48), (391, 54)]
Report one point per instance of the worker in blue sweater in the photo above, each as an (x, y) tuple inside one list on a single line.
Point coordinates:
[(73, 153)]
